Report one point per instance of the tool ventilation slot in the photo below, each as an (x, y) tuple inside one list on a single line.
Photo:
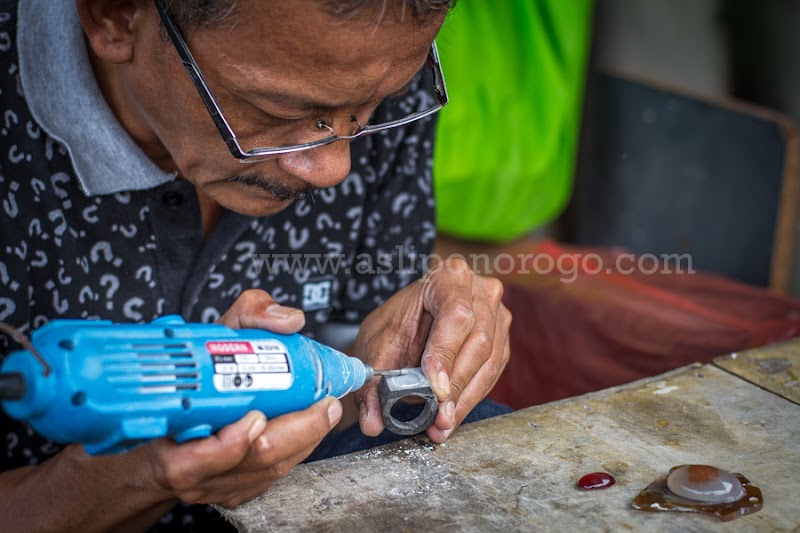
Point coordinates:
[(151, 368)]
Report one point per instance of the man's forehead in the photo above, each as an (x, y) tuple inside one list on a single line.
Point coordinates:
[(286, 46), (302, 27)]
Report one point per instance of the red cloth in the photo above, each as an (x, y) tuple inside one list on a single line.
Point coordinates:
[(609, 328)]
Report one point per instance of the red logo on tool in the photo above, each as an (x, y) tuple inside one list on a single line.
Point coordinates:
[(228, 348)]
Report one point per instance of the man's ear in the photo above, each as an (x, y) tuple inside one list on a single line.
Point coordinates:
[(109, 26)]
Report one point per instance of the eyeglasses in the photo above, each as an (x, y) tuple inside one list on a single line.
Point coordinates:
[(264, 153)]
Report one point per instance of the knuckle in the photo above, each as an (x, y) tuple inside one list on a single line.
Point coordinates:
[(266, 452), (265, 446), (483, 342), (177, 477), (494, 367), (505, 357), (458, 265), (462, 315), (505, 316), (452, 267), (494, 288), (252, 296), (281, 470)]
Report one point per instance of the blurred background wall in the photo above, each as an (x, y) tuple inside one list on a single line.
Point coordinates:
[(741, 48), (680, 41)]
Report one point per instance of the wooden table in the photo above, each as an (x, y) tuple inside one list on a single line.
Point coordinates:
[(518, 472)]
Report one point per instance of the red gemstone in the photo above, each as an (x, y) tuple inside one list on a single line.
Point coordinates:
[(596, 480)]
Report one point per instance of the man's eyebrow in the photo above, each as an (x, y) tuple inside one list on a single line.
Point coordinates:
[(301, 103)]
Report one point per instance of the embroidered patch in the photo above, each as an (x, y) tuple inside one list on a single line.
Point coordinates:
[(317, 295)]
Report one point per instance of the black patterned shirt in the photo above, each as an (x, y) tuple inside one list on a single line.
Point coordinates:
[(86, 235)]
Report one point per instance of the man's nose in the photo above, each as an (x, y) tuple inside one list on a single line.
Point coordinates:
[(321, 167)]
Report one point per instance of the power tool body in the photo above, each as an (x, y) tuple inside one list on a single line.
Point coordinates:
[(113, 386)]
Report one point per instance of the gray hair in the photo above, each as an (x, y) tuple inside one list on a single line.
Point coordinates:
[(194, 14)]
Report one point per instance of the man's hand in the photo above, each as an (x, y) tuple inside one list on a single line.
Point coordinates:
[(454, 323), (244, 458)]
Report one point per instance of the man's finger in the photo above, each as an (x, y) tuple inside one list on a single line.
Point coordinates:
[(370, 417), (485, 380), (448, 297), (482, 383), (256, 309), (477, 349), (290, 434), (248, 479), (493, 321), (182, 466)]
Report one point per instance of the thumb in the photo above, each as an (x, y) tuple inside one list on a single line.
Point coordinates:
[(258, 310), (370, 417)]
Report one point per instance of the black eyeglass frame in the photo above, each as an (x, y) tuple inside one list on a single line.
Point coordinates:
[(259, 154)]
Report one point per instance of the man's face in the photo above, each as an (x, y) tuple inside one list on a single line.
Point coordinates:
[(276, 69)]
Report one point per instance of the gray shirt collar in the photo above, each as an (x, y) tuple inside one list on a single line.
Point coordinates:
[(65, 99)]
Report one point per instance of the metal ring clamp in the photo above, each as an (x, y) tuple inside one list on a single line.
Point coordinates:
[(394, 388)]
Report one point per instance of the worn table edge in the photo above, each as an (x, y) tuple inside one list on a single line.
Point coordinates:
[(739, 364)]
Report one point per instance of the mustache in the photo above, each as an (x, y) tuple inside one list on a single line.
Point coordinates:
[(278, 190)]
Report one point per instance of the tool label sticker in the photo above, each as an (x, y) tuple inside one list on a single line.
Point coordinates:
[(250, 366)]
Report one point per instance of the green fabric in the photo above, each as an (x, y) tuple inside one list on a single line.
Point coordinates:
[(506, 142)]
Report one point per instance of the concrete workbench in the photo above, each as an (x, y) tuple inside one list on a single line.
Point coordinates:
[(518, 472)]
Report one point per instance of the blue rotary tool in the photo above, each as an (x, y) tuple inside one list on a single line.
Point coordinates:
[(114, 386)]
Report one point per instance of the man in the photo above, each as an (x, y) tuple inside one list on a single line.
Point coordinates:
[(124, 197)]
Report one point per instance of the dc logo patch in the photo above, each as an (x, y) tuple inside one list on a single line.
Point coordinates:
[(317, 295)]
